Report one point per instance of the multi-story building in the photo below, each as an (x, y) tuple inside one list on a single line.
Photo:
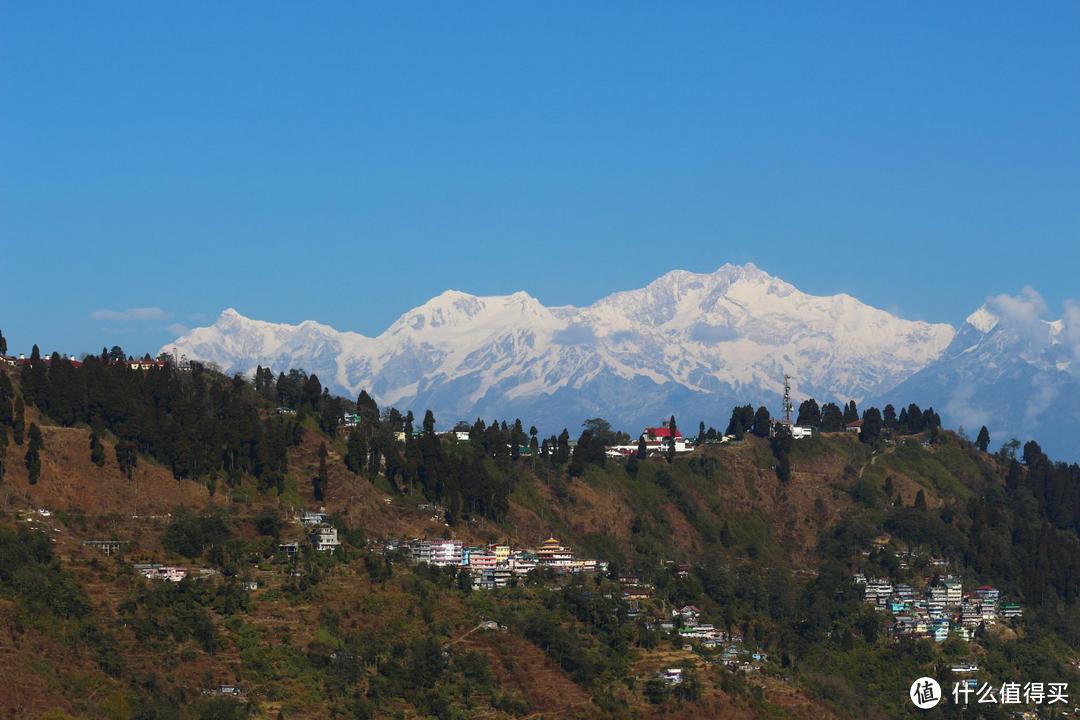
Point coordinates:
[(552, 554), (325, 538)]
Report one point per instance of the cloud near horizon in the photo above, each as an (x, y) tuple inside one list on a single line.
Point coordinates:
[(129, 315)]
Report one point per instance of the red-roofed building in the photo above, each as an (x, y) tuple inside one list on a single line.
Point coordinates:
[(661, 433), (854, 426), (661, 437), (22, 360)]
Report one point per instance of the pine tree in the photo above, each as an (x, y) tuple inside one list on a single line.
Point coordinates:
[(871, 428), (780, 443), (7, 392), (356, 452), (127, 456), (33, 453), (18, 428), (429, 423), (983, 441), (319, 482), (920, 500), (832, 419), (851, 412), (579, 460), (35, 378), (563, 453), (762, 422), (642, 448), (672, 429), (742, 419), (97, 450), (725, 534), (534, 447), (701, 433), (3, 343), (888, 415), (809, 414)]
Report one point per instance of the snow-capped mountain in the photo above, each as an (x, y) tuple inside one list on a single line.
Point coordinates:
[(1010, 370), (687, 343)]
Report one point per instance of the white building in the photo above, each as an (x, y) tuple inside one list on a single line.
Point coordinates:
[(325, 538)]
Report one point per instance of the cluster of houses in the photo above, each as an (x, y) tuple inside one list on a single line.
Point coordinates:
[(171, 573), (940, 610), (687, 624), (134, 364), (321, 534), (494, 566)]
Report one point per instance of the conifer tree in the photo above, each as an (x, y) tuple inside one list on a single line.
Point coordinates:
[(356, 452), (33, 453), (672, 429), (533, 446), (780, 443), (983, 440), (127, 456), (762, 422), (832, 419), (563, 453), (642, 448), (3, 343), (320, 481), (920, 500), (578, 460), (18, 428), (97, 450), (742, 419), (7, 392), (871, 428), (809, 414), (851, 412)]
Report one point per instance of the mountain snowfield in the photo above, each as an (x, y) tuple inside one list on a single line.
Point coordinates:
[(688, 343), (1008, 369)]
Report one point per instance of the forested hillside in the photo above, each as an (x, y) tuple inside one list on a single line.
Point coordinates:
[(762, 536)]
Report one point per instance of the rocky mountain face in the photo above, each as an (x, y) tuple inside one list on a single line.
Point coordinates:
[(692, 344)]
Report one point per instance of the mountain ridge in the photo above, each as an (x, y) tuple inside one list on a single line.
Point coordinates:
[(691, 342)]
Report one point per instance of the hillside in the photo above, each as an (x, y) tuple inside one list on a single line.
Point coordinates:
[(364, 633)]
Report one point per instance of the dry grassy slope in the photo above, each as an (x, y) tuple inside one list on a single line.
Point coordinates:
[(69, 481), (101, 501), (741, 481)]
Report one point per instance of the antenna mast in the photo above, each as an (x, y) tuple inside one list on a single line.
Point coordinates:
[(787, 399)]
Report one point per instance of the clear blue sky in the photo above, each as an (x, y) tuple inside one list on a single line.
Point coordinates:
[(344, 162)]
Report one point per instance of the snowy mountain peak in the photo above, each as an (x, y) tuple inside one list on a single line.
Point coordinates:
[(982, 320), (686, 342)]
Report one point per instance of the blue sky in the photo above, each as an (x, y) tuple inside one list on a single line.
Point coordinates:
[(344, 162)]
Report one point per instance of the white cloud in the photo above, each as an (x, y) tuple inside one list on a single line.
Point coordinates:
[(129, 315), (1023, 314), (1070, 332)]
